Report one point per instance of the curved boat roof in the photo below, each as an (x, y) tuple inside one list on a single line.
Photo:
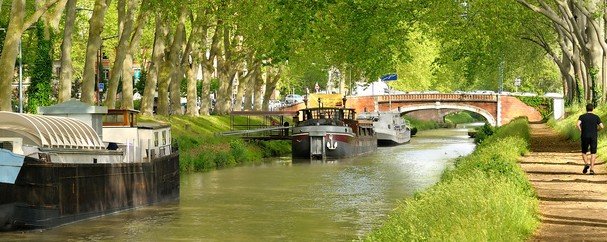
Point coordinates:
[(51, 131)]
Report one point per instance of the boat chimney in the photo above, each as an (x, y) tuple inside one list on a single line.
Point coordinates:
[(344, 101)]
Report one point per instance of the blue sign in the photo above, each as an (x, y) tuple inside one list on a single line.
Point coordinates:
[(389, 77), (101, 86), (137, 74)]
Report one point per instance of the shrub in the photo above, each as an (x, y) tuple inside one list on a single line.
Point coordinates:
[(483, 132)]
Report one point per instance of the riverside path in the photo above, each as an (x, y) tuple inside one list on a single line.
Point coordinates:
[(573, 206)]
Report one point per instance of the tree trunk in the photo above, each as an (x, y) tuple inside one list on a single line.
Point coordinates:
[(126, 102), (205, 93), (238, 102), (127, 70), (67, 71), (192, 93), (245, 87), (163, 83), (224, 95), (191, 69), (121, 52), (147, 101), (16, 26), (175, 63), (9, 53), (94, 42), (273, 78), (208, 69), (249, 90), (260, 88), (53, 18)]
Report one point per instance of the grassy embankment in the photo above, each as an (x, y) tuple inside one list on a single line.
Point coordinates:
[(486, 197), (462, 118), (567, 127), (201, 150), (422, 124), (450, 121)]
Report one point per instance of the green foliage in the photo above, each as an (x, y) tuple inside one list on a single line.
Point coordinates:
[(422, 124), (541, 104), (201, 150), (274, 148), (137, 104), (475, 37), (486, 197), (483, 132), (40, 92), (214, 85), (463, 117)]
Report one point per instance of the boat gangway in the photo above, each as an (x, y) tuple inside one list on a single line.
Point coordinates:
[(260, 125)]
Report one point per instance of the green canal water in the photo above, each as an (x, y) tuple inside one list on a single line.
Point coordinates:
[(281, 200)]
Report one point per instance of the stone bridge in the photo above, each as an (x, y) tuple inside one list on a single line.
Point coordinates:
[(497, 109)]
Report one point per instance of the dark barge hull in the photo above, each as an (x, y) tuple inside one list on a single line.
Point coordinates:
[(347, 146), (50, 194)]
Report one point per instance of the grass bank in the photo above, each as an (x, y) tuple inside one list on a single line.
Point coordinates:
[(463, 118), (567, 127), (422, 124), (201, 150), (485, 197)]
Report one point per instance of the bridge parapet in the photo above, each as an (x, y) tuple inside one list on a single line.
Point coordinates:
[(439, 97)]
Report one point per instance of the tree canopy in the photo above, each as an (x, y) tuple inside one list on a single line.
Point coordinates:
[(250, 49)]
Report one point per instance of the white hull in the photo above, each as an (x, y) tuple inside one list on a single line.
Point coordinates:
[(390, 128)]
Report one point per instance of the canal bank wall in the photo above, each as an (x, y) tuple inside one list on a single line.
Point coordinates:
[(201, 150), (485, 197)]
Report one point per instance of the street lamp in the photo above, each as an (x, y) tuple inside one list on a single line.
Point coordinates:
[(20, 75)]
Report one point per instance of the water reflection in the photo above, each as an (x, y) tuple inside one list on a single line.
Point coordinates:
[(333, 200)]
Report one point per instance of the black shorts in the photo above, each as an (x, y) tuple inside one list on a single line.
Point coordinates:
[(589, 141)]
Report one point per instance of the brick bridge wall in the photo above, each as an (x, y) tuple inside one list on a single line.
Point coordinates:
[(511, 107)]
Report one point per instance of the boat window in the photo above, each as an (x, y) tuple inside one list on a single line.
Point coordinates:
[(164, 137), (155, 139), (113, 118), (6, 145)]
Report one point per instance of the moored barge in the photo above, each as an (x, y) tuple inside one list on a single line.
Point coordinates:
[(56, 170), (331, 133)]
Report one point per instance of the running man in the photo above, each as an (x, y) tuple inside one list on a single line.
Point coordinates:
[(589, 124)]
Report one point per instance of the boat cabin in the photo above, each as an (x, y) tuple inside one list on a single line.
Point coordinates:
[(141, 141), (333, 116), (75, 132)]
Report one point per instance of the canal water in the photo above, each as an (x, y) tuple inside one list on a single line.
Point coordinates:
[(281, 200)]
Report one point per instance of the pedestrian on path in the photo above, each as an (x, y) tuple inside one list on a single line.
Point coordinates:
[(589, 124)]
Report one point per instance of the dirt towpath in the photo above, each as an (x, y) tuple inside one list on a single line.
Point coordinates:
[(573, 205)]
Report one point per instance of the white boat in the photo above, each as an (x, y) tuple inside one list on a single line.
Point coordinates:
[(390, 127)]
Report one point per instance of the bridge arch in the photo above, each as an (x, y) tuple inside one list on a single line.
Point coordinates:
[(488, 116)]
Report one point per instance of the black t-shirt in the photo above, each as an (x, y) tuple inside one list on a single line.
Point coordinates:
[(590, 122)]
